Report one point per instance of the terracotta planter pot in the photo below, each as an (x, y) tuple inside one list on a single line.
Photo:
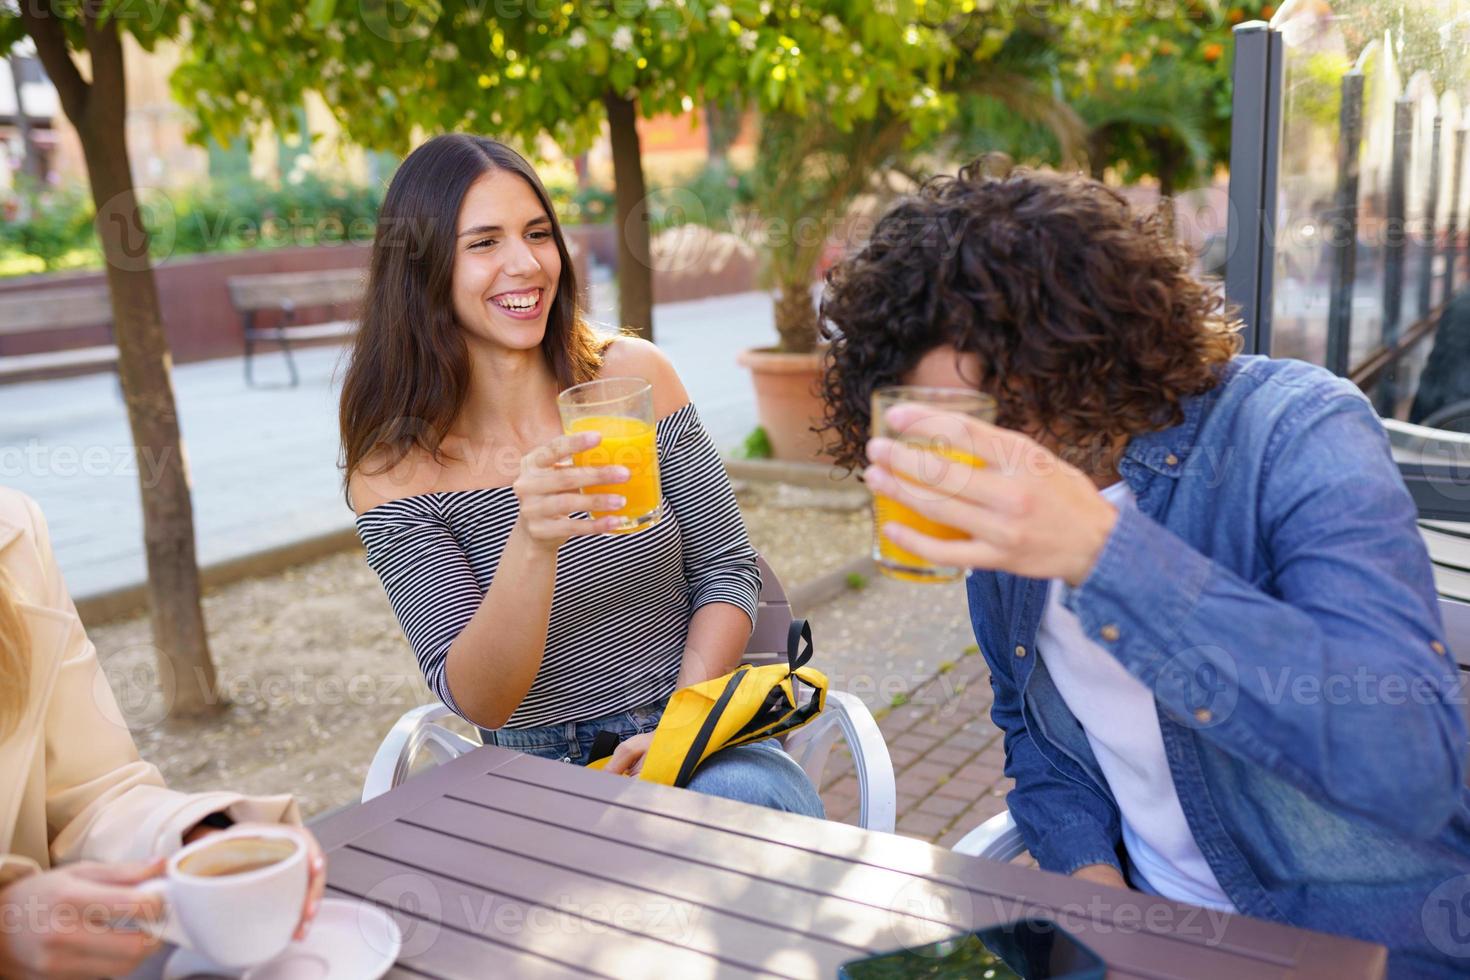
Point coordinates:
[(787, 401)]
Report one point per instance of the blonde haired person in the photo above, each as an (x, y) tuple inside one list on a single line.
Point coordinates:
[(83, 819)]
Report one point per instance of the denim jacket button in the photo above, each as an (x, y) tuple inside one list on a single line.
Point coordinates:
[(1438, 648), (1171, 459), (1110, 633), (1020, 650), (1203, 715)]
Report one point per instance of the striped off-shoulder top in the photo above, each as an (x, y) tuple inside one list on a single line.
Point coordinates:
[(622, 602)]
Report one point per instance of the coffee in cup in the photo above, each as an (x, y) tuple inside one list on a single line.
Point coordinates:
[(235, 896), (237, 856)]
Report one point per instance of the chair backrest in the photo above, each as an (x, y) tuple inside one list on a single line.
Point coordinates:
[(286, 290), (1456, 616), (772, 622), (1448, 541), (1421, 444), (55, 309)]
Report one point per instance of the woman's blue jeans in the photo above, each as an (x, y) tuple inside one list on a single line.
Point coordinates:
[(760, 773)]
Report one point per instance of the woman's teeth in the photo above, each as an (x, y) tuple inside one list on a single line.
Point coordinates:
[(524, 302)]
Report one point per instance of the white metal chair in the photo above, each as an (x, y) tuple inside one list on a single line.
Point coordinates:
[(999, 839), (1448, 541), (419, 732)]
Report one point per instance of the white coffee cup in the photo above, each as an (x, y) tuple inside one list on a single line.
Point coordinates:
[(235, 896)]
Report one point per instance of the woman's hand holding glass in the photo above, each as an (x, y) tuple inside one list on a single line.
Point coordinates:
[(550, 491), (1025, 512)]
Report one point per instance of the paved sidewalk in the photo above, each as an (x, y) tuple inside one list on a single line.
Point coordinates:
[(263, 462), (948, 758), (909, 652)]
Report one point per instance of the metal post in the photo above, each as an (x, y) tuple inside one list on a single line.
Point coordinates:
[(1428, 247), (1255, 157), (1342, 230), (1452, 233), (1394, 237)]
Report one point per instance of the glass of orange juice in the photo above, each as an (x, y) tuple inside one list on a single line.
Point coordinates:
[(621, 409), (941, 450)]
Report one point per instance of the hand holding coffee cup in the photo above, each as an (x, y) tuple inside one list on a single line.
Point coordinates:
[(241, 895), (316, 865), (79, 921)]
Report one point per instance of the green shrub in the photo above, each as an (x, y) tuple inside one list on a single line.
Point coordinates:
[(712, 197), (757, 445), (55, 225), (50, 223), (253, 214)]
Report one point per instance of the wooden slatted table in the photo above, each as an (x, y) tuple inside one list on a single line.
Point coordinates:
[(501, 864)]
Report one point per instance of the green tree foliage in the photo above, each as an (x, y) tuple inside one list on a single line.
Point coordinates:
[(1156, 95), (520, 69)]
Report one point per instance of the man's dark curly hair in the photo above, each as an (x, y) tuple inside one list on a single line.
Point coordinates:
[(1086, 320)]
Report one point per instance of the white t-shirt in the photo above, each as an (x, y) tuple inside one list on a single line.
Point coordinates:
[(1121, 721)]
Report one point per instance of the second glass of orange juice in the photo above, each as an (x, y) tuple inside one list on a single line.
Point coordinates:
[(621, 409), (943, 449)]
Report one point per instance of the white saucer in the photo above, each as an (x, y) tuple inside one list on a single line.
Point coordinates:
[(348, 941)]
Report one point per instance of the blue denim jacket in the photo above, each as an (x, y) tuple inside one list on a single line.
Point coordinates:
[(1271, 588)]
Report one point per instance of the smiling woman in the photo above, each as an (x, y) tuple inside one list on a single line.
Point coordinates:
[(441, 248), (527, 616)]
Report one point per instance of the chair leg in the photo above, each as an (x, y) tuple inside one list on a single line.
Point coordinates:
[(290, 361), (249, 347), (846, 716)]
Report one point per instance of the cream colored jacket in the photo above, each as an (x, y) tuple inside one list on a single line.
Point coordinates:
[(72, 786)]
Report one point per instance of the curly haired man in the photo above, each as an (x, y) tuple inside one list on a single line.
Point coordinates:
[(1211, 625)]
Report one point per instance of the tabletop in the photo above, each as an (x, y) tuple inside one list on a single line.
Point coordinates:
[(502, 864)]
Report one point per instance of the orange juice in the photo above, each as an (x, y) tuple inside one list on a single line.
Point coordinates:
[(901, 563), (625, 442)]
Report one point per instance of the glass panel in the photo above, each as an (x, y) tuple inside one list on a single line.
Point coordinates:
[(1397, 394), (1444, 194), (1375, 160), (1413, 57), (1462, 203), (1316, 59), (1418, 265), (1449, 122)]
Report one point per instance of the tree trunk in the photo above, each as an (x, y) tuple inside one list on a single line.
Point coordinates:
[(796, 316), (1097, 153), (98, 110), (635, 266), (1167, 155), (722, 125)]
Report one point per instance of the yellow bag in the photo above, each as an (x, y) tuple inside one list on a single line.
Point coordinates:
[(746, 705)]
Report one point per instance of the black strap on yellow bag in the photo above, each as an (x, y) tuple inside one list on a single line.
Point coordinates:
[(747, 705)]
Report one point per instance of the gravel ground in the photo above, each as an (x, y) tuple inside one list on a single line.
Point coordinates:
[(316, 670), (883, 642)]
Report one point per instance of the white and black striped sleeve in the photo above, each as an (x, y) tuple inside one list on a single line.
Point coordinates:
[(428, 578), (719, 562)]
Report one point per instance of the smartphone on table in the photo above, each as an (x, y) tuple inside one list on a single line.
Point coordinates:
[(1029, 949)]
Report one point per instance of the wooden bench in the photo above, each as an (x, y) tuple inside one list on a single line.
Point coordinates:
[(53, 311), (286, 293)]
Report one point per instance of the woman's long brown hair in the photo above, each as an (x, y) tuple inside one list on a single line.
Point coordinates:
[(409, 370), (15, 662)]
